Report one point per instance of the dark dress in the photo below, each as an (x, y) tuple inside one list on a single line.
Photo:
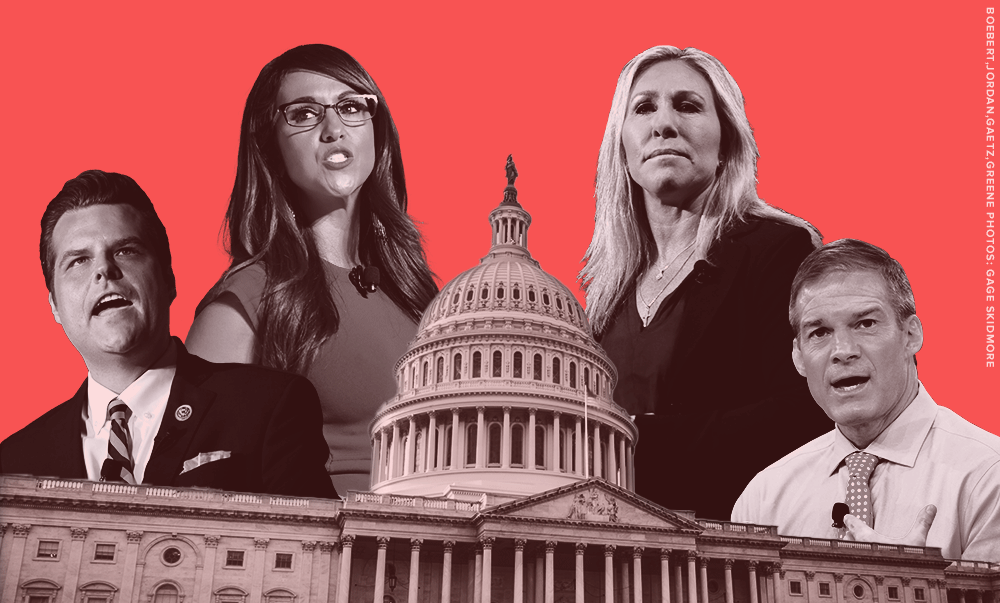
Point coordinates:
[(721, 399)]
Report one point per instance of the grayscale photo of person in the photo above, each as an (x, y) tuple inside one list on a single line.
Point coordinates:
[(328, 276), (687, 279), (149, 412), (902, 469)]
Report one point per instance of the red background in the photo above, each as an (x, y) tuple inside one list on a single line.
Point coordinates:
[(869, 117)]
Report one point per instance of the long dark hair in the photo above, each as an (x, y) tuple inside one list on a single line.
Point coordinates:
[(297, 313)]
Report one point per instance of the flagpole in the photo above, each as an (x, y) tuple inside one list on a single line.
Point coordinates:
[(586, 439)]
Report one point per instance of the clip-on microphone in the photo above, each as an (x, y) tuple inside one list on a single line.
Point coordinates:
[(840, 510), (365, 279)]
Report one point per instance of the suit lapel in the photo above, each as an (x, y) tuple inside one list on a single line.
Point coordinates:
[(68, 461), (179, 425)]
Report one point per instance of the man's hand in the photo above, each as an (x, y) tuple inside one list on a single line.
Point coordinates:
[(917, 536)]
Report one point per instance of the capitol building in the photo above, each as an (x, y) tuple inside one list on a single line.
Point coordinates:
[(502, 472)]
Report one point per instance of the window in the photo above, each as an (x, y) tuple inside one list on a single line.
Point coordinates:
[(545, 298), (457, 368), (283, 561), (556, 371), (536, 373), (439, 371), (516, 293), (795, 587), (454, 300), (104, 552), (517, 364), (485, 293), (586, 379), (531, 295), (47, 549), (279, 595), (166, 594), (447, 446), (824, 589), (470, 444), (559, 302), (893, 593), (859, 591), (517, 445), (426, 373), (468, 295), (495, 433), (477, 364), (572, 375), (500, 293), (234, 558), (497, 363), (918, 594), (171, 556), (539, 446)]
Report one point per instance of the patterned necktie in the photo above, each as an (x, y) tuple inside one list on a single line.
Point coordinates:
[(859, 495), (118, 466)]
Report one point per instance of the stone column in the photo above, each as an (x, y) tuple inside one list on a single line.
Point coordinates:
[(308, 549), (556, 460), (134, 537), (609, 573), (481, 436), (664, 555), (776, 581), (487, 543), (211, 548), (383, 543), (581, 547), (539, 578), (477, 580), (383, 445), (907, 595), (943, 590), (637, 573), (550, 568), (678, 581), (692, 559), (626, 583), (703, 578), (519, 569), (880, 594), (598, 466), (612, 458), (838, 587), (431, 456), (530, 462), (623, 465), (393, 469), (752, 572), (326, 550), (415, 543), (630, 463), (578, 449), (344, 578), (810, 576), (73, 559), (257, 567), (505, 441), (455, 463), (449, 546), (411, 440), (728, 565), (961, 595)]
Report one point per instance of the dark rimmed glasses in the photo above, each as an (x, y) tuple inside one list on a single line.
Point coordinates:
[(352, 110)]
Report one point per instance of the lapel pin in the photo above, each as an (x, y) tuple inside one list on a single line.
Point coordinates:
[(183, 413)]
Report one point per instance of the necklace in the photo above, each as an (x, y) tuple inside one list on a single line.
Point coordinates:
[(646, 315), (659, 275)]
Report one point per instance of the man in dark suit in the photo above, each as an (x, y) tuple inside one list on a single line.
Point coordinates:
[(149, 412)]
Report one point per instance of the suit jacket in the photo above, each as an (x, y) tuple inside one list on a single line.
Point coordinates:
[(731, 402), (270, 422)]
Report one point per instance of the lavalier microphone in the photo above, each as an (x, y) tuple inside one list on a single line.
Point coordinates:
[(365, 279)]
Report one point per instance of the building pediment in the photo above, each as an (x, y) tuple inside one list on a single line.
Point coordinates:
[(594, 501)]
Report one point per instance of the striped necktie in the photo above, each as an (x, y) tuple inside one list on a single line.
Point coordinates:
[(859, 495), (118, 466)]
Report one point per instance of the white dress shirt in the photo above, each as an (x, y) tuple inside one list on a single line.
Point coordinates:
[(146, 397), (930, 455)]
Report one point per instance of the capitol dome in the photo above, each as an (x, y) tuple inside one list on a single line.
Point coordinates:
[(500, 384)]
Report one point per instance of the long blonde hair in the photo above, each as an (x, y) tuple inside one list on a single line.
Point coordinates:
[(623, 244)]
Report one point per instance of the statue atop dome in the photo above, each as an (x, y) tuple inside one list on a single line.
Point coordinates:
[(511, 170), (510, 193)]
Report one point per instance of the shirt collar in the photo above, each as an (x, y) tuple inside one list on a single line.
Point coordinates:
[(138, 395), (899, 442)]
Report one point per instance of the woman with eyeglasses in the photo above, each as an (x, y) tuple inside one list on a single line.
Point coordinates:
[(328, 277), (687, 279)]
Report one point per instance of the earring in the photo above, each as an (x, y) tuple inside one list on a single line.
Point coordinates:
[(379, 228)]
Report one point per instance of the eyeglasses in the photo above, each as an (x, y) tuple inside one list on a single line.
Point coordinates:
[(352, 110)]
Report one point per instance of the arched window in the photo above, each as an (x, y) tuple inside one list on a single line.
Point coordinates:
[(477, 364), (590, 455), (537, 369), (597, 383), (545, 298), (454, 300), (559, 302), (495, 440), (279, 595), (457, 364), (447, 445), (426, 372), (470, 444), (485, 293), (540, 446), (531, 295), (497, 363), (418, 453), (517, 445), (499, 292), (516, 292), (556, 371), (586, 378), (517, 365), (561, 463), (413, 377), (439, 371), (166, 593), (572, 375)]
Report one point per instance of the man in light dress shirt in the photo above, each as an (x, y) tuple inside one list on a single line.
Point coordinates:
[(184, 421), (936, 478)]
